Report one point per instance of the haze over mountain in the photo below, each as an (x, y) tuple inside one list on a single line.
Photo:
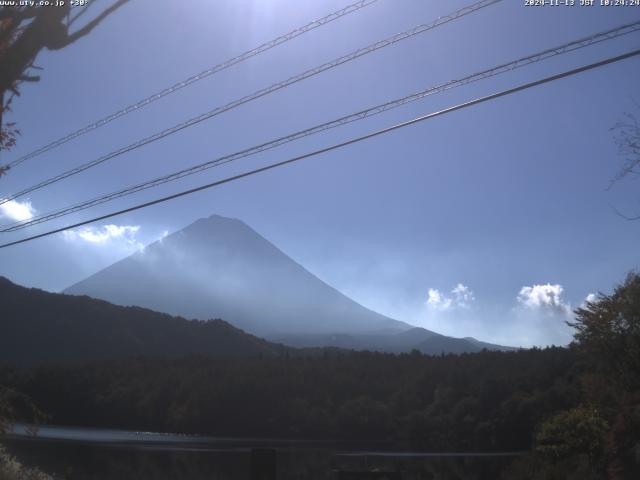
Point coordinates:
[(416, 338), (219, 267), (43, 328)]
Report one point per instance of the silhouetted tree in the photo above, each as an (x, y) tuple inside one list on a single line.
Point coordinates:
[(24, 32), (14, 405), (608, 331), (6, 413)]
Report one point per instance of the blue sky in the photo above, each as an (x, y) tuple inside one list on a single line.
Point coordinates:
[(493, 222)]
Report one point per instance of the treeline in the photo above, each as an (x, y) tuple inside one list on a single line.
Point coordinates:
[(486, 401), (576, 409)]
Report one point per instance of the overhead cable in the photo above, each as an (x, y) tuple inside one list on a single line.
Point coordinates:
[(195, 78), (258, 94), (352, 141), (500, 69)]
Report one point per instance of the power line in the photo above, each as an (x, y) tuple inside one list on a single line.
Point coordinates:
[(197, 77), (503, 68), (260, 93), (422, 118)]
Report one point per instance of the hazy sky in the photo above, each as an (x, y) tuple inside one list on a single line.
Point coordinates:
[(493, 222)]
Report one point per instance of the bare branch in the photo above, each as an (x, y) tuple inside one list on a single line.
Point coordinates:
[(627, 138), (82, 12), (29, 78), (626, 217), (92, 24), (24, 32)]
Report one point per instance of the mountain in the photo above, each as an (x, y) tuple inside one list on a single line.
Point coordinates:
[(441, 344), (416, 338), (489, 346), (219, 267), (384, 342), (38, 327)]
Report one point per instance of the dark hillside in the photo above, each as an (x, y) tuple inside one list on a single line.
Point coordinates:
[(38, 327)]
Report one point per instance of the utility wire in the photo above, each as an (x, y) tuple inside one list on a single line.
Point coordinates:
[(503, 68), (195, 78), (260, 93), (398, 126)]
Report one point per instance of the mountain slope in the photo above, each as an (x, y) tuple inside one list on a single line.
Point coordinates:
[(221, 268), (417, 338), (38, 327), (441, 344)]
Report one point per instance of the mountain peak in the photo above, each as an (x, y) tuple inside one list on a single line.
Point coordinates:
[(216, 221), (219, 267), (220, 219), (215, 216)]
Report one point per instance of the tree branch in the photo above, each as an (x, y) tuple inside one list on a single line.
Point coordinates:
[(626, 217), (82, 12), (91, 25), (18, 14)]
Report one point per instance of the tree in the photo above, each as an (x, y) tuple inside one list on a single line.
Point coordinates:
[(11, 403), (608, 331), (6, 412), (24, 32), (628, 140), (15, 405), (573, 432), (608, 335)]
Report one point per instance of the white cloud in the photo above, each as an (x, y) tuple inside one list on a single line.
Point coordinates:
[(544, 298), (450, 312), (540, 316), (17, 211), (438, 300), (591, 298), (463, 296), (460, 296), (107, 235)]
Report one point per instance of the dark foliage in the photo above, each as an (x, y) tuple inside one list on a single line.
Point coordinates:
[(608, 332), (26, 30), (485, 401), (37, 327), (576, 409), (599, 439)]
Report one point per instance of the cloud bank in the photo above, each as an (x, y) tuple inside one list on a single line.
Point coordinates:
[(537, 316)]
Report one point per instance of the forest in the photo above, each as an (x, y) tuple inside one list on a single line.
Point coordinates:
[(43, 328), (469, 402), (576, 409)]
